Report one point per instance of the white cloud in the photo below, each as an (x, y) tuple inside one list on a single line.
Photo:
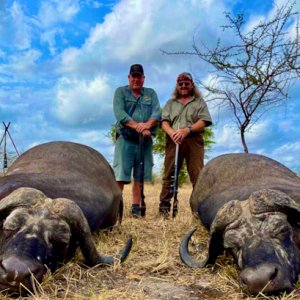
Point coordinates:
[(22, 65), (81, 102), (98, 139), (134, 32), (91, 136), (288, 148), (288, 154), (15, 27), (137, 30), (227, 136), (54, 12), (258, 130), (49, 37), (52, 16), (97, 4)]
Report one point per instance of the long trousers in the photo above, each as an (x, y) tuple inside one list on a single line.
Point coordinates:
[(192, 151)]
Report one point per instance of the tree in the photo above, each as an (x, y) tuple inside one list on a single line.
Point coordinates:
[(253, 74)]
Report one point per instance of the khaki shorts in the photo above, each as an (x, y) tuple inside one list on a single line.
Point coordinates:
[(126, 160)]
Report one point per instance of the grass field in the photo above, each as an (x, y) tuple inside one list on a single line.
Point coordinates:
[(153, 269)]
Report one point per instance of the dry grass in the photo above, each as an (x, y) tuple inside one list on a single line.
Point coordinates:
[(153, 270)]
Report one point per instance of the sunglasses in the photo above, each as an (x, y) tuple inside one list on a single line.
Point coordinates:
[(184, 83)]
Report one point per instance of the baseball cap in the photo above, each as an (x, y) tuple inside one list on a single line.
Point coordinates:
[(185, 76), (136, 69)]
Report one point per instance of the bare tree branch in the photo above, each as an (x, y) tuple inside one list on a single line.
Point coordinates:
[(254, 74)]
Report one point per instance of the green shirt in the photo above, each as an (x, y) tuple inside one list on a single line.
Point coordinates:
[(140, 109), (181, 116)]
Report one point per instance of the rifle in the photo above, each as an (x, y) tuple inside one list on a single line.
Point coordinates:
[(141, 179), (174, 184)]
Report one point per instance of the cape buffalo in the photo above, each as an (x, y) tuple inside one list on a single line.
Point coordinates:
[(53, 196), (251, 206)]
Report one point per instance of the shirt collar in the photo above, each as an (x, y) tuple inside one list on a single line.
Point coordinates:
[(190, 100), (130, 91)]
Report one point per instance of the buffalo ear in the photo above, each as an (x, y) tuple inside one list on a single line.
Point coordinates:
[(226, 215), (73, 215), (269, 200), (23, 196)]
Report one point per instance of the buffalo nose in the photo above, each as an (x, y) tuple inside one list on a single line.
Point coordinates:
[(17, 270), (263, 278)]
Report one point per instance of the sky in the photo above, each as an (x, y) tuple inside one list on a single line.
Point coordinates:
[(61, 61)]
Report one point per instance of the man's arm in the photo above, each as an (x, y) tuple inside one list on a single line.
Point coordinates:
[(140, 127), (119, 107), (155, 115), (166, 127)]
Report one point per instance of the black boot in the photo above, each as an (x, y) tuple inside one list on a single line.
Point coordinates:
[(136, 211), (164, 208)]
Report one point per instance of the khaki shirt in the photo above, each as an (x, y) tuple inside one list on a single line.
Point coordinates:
[(182, 116)]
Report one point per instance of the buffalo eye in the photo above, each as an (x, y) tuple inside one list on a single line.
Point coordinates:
[(60, 235), (13, 223), (232, 239)]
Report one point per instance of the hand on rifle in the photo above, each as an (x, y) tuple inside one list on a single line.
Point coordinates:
[(140, 127), (179, 135), (146, 133)]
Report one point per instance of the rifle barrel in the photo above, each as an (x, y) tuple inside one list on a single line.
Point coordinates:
[(141, 179), (175, 185)]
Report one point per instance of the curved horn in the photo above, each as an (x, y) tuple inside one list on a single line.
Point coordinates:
[(226, 215), (74, 216), (23, 196), (215, 248), (185, 255)]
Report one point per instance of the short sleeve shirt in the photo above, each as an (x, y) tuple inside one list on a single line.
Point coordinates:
[(181, 115), (140, 109)]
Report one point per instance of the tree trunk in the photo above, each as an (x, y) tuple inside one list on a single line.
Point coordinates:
[(244, 140)]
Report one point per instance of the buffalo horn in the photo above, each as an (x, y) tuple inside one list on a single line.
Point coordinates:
[(185, 255)]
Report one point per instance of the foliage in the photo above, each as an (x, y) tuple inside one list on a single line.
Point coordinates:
[(253, 74), (159, 140)]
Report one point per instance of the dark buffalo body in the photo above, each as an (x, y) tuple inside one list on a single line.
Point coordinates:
[(69, 170), (237, 176), (251, 206), (52, 197)]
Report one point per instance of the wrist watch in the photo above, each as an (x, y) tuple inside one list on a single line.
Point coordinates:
[(190, 129)]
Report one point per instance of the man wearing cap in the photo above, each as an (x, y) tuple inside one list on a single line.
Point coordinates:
[(184, 118), (137, 111)]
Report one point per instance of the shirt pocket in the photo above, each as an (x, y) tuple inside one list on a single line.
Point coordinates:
[(130, 105), (194, 113), (146, 109)]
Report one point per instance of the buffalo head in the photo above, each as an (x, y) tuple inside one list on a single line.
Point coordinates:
[(38, 233), (262, 234)]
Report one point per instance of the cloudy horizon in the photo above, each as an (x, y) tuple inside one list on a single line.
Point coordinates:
[(61, 61)]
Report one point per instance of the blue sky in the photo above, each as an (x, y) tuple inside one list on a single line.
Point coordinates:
[(60, 62)]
